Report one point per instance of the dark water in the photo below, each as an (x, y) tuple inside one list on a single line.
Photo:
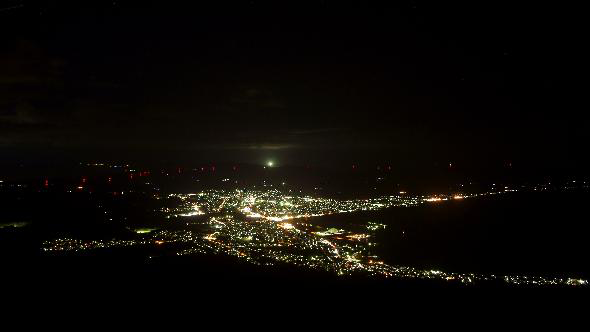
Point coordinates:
[(532, 233)]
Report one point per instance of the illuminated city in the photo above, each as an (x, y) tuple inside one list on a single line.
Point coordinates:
[(268, 227)]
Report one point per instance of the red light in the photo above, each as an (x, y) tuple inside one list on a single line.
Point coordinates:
[(46, 183)]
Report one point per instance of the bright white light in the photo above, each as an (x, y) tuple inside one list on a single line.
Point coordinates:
[(286, 226), (196, 211), (269, 163)]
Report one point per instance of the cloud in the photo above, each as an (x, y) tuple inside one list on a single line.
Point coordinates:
[(250, 146), (272, 146), (312, 131), (21, 117)]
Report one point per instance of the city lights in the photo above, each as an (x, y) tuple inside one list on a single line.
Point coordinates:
[(250, 225)]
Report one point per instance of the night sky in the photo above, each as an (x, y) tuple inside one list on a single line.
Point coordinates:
[(320, 82)]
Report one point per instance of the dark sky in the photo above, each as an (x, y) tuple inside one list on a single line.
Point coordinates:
[(302, 82)]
